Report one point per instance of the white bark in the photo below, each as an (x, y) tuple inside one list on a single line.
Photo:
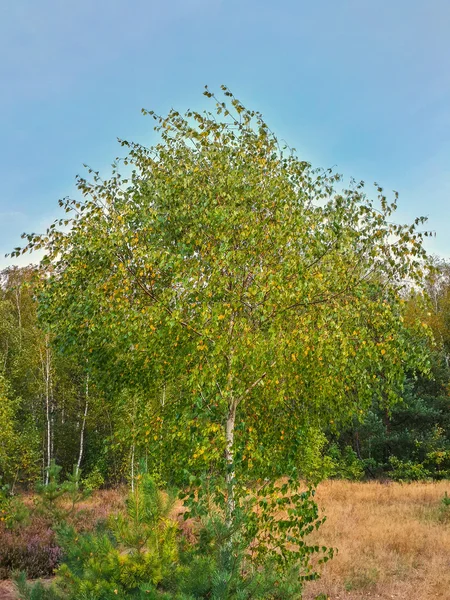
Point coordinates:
[(19, 315), (48, 409), (229, 456), (83, 424)]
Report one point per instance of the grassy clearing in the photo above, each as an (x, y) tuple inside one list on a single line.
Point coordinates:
[(393, 541)]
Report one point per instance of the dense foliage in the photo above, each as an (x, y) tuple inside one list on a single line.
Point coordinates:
[(411, 440)]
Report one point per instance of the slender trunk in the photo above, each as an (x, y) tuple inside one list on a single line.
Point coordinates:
[(63, 409), (83, 424), (111, 432), (43, 460), (19, 315), (46, 374), (387, 427), (13, 487), (133, 435), (163, 403), (5, 361), (52, 405), (357, 445), (229, 456), (132, 467)]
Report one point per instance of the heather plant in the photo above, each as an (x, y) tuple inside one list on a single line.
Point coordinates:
[(28, 535), (30, 548)]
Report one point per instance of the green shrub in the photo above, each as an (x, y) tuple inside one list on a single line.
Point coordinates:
[(259, 551), (219, 566), (345, 463), (438, 464), (58, 500), (94, 480), (138, 548), (444, 509), (13, 512), (36, 591), (407, 471)]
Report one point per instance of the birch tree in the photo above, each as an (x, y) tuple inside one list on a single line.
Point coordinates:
[(265, 291)]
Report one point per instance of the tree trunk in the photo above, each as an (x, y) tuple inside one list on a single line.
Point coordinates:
[(132, 467), (83, 424), (48, 409), (229, 456), (19, 316), (52, 403)]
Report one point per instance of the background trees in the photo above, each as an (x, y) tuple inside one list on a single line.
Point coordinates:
[(44, 391)]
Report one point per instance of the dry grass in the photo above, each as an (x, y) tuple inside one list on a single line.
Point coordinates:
[(391, 542)]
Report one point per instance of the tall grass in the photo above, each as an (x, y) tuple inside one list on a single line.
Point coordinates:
[(392, 541)]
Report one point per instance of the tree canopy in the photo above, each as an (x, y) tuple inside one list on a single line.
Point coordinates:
[(235, 286)]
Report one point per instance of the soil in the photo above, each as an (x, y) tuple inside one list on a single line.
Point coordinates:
[(7, 591)]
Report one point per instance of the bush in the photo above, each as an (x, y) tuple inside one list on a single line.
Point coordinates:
[(138, 548), (438, 464), (36, 591), (58, 501), (407, 471), (345, 463), (94, 480), (13, 511), (259, 551), (31, 548), (444, 509), (220, 566), (28, 540)]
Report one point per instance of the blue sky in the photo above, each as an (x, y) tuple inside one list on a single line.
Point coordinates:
[(362, 85)]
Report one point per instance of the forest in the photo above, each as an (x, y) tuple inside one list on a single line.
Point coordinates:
[(214, 330)]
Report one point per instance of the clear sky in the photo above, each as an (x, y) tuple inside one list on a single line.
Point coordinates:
[(362, 85)]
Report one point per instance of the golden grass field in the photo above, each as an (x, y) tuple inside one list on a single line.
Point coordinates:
[(392, 541)]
